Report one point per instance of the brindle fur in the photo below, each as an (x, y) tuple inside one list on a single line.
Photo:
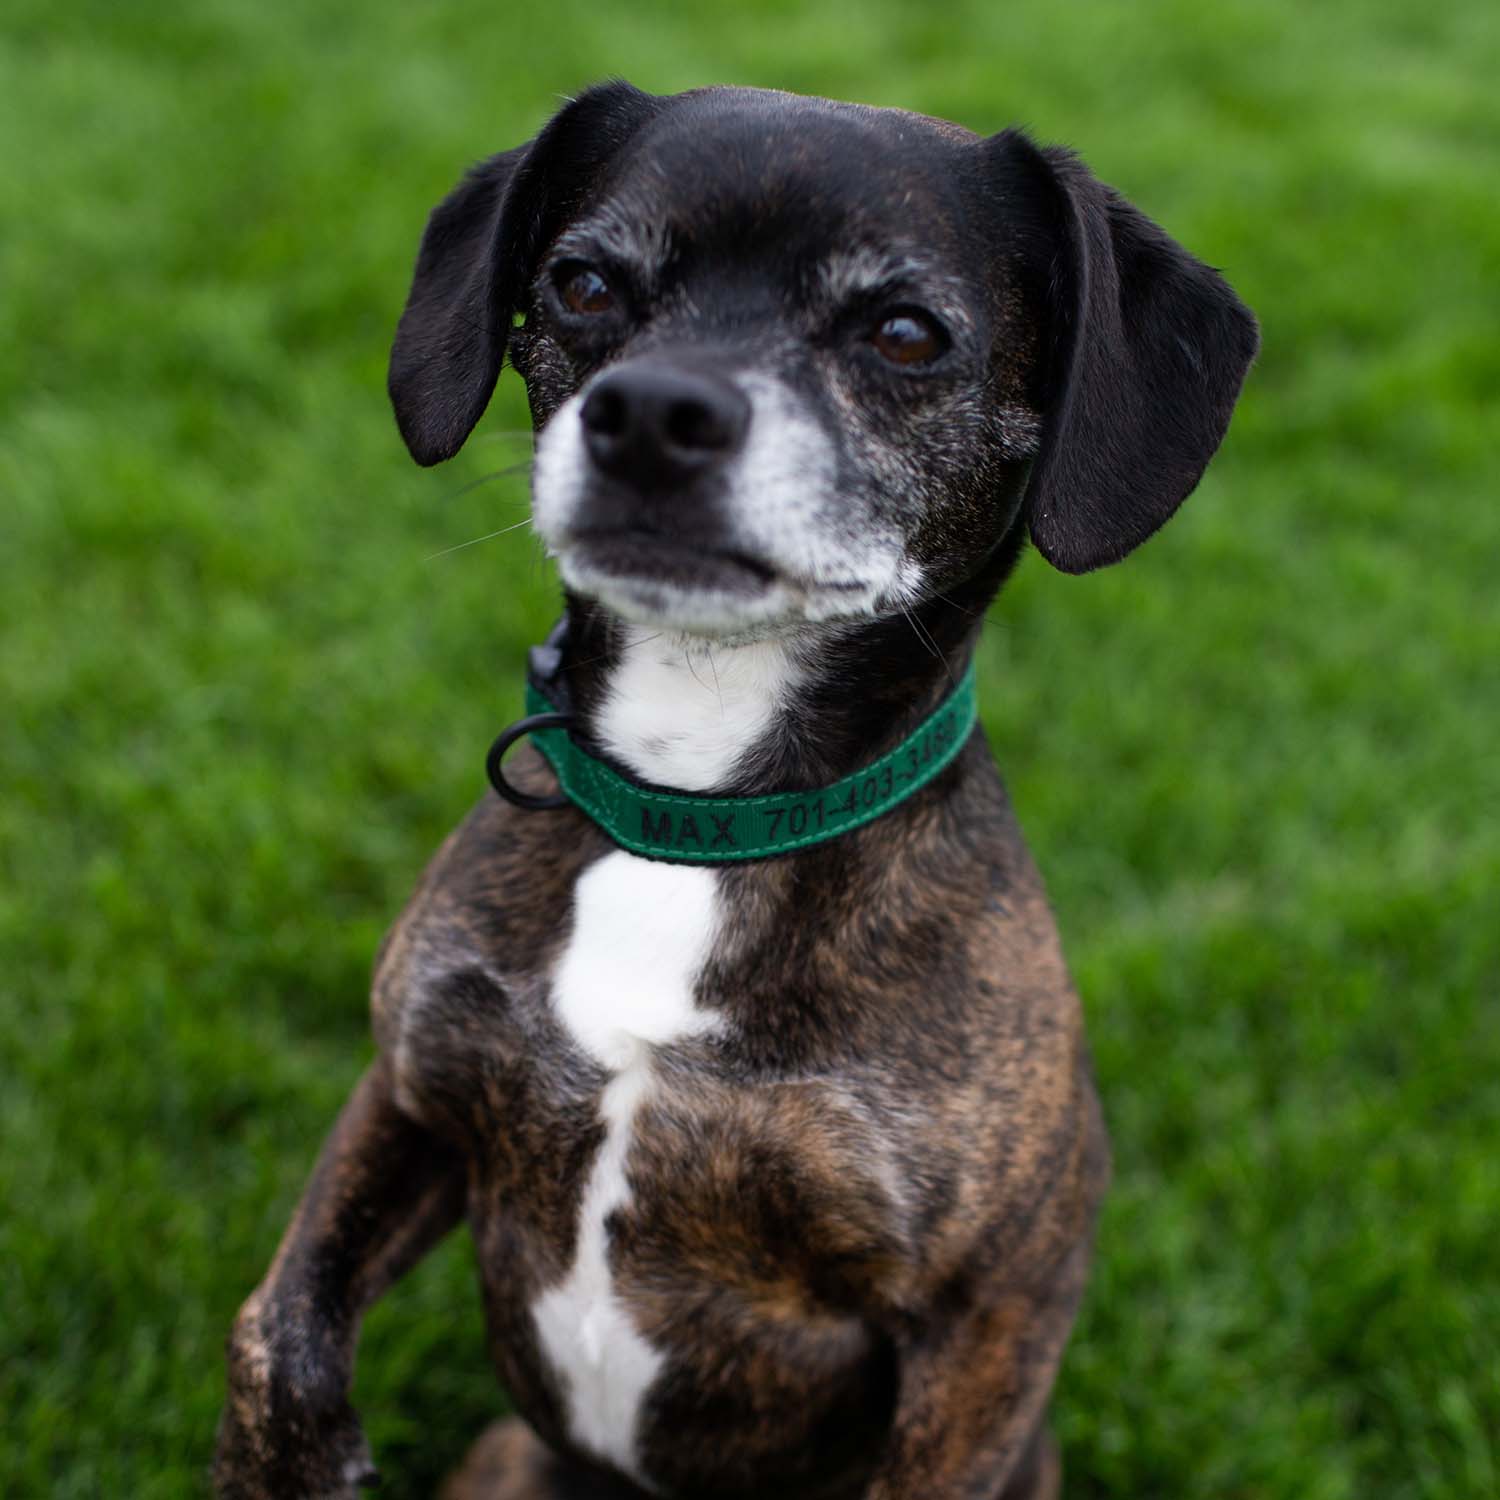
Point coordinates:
[(861, 1207), (860, 1217)]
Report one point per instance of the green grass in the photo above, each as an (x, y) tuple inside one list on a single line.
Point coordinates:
[(1258, 762)]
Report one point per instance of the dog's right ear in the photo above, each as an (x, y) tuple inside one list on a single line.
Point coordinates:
[(477, 259)]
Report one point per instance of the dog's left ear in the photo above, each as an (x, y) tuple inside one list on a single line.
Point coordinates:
[(478, 256), (1149, 348)]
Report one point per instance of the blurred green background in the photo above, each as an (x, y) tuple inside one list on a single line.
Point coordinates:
[(244, 698)]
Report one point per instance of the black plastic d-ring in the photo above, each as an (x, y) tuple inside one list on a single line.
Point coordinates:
[(508, 737)]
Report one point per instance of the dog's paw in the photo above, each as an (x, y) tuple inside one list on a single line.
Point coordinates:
[(325, 1460), (288, 1431)]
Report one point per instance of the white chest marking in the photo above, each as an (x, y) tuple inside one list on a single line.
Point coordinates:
[(641, 933), (681, 712)]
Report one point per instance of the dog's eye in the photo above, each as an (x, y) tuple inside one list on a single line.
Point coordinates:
[(909, 338), (583, 290)]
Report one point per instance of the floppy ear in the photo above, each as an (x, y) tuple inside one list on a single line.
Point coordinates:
[(477, 259), (1149, 350)]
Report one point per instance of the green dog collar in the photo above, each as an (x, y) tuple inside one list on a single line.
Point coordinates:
[(712, 830)]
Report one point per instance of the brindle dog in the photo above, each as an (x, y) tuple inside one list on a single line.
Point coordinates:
[(782, 1175)]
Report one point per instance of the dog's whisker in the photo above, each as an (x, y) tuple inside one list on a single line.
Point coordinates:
[(910, 620), (504, 473), (687, 657), (483, 328), (952, 603), (459, 546), (986, 620), (925, 636), (612, 649), (713, 667)]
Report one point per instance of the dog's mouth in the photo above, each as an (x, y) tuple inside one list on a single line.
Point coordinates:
[(702, 584), (636, 554), (684, 583)]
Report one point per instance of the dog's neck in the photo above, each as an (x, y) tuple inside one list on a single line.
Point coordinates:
[(770, 714), (691, 714)]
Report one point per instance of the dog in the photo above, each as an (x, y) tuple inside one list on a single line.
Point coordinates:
[(778, 1144)]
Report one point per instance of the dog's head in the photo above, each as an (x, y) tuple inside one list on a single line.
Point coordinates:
[(794, 360)]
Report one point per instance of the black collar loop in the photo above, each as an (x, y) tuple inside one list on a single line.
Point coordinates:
[(496, 770)]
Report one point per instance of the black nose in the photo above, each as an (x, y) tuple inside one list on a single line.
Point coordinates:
[(653, 424)]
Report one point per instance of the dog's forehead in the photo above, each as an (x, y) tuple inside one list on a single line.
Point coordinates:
[(752, 170)]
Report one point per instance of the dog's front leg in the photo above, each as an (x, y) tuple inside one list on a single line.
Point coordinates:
[(973, 1393), (383, 1193)]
